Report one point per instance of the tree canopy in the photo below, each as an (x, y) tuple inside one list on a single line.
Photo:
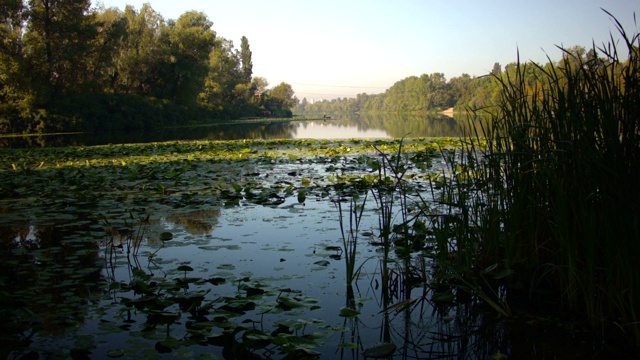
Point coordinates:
[(67, 66)]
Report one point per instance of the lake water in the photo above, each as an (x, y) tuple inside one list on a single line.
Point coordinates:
[(339, 127), (88, 275)]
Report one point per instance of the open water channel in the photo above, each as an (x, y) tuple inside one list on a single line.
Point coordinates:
[(339, 127)]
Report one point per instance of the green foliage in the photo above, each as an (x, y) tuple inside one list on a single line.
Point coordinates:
[(64, 66), (552, 198), (245, 60), (281, 99)]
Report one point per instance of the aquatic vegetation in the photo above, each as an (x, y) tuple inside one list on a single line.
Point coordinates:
[(545, 215), (148, 237)]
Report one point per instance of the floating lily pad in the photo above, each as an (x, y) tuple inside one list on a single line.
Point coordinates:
[(115, 353), (381, 351), (348, 312), (289, 302), (166, 236)]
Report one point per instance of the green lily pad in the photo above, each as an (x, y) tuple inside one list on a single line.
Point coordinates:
[(115, 353), (166, 236), (380, 351), (348, 312), (289, 302)]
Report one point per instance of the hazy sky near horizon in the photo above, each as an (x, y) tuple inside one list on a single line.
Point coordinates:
[(340, 48)]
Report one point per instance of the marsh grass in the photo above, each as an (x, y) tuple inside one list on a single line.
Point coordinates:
[(549, 203)]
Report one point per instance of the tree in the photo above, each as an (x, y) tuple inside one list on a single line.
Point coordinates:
[(282, 99), (13, 89), (58, 37), (497, 69), (245, 60), (259, 84), (137, 63), (191, 41), (223, 76), (112, 32)]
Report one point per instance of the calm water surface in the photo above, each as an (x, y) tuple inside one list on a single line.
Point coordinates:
[(100, 281), (339, 127)]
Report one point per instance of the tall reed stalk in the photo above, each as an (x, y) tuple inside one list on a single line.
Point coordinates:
[(554, 197)]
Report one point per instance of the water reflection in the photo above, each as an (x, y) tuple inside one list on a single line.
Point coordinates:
[(49, 276), (347, 126)]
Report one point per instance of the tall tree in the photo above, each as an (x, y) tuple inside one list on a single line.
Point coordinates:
[(137, 61), (245, 60), (112, 32), (191, 40), (13, 90), (58, 37), (223, 76), (282, 99)]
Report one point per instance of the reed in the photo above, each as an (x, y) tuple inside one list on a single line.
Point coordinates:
[(552, 198)]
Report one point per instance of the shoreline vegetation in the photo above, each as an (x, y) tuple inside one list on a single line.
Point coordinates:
[(126, 72)]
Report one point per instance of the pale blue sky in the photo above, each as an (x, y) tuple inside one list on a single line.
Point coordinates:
[(339, 48)]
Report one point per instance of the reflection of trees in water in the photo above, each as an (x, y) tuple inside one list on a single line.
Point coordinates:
[(396, 125), (273, 130), (199, 222), (399, 125), (47, 274), (237, 131)]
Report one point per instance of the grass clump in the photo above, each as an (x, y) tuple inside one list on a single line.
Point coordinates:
[(550, 204)]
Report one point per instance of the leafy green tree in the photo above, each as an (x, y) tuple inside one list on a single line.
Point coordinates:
[(112, 32), (141, 53), (282, 99), (222, 78), (245, 60), (259, 84), (191, 41), (59, 35), (13, 89)]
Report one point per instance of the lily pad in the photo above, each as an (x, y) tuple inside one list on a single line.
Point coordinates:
[(166, 236), (289, 302), (349, 312), (115, 353), (380, 351), (185, 268)]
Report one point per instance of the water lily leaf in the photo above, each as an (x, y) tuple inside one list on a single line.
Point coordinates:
[(185, 268), (322, 263), (115, 353), (302, 196), (289, 302), (383, 350), (166, 236), (216, 280), (252, 291), (348, 312), (162, 348)]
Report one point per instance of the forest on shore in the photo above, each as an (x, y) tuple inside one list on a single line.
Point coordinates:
[(68, 66), (434, 93)]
